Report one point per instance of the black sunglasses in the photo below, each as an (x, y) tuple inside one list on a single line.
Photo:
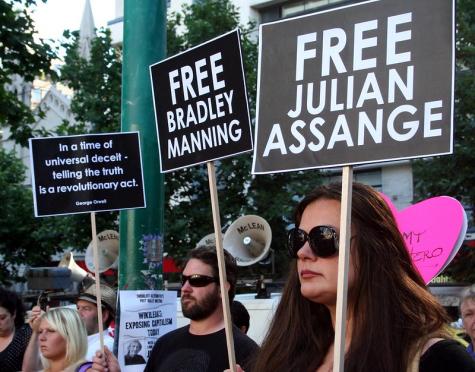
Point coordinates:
[(197, 280), (323, 241)]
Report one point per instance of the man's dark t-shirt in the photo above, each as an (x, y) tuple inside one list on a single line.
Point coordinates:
[(181, 351)]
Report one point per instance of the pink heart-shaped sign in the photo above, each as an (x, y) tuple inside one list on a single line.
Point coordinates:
[(434, 230)]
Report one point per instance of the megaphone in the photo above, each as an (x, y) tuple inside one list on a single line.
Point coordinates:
[(77, 272), (107, 250), (208, 240), (248, 239)]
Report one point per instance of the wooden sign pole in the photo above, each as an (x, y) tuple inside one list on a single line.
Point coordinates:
[(221, 266), (98, 280), (343, 265)]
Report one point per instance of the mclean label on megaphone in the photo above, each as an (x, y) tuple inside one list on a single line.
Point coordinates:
[(107, 249), (248, 239)]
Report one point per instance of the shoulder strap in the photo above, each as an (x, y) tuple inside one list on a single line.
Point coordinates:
[(84, 367)]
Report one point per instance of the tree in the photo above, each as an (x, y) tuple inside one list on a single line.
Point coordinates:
[(96, 84), (454, 175), (20, 55), (17, 224)]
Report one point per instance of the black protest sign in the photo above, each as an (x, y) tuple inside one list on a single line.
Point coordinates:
[(86, 173), (361, 83), (201, 104)]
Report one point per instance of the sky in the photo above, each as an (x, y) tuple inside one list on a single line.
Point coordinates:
[(52, 18)]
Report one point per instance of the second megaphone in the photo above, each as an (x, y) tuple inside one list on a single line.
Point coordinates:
[(107, 249), (248, 239)]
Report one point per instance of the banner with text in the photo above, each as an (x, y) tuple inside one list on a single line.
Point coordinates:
[(201, 106), (86, 173), (362, 83), (145, 316)]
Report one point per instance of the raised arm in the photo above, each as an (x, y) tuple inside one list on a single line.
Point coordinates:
[(31, 359)]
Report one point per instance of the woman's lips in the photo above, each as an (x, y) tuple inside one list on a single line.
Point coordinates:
[(305, 274)]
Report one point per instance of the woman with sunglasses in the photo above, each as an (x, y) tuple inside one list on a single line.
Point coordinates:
[(393, 323)]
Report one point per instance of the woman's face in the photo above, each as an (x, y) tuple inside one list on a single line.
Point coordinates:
[(7, 322), (319, 276), (52, 344)]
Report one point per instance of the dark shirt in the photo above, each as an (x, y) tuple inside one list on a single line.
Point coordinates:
[(470, 350), (11, 357), (446, 356), (181, 351)]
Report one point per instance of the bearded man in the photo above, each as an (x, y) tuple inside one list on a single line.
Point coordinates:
[(201, 345)]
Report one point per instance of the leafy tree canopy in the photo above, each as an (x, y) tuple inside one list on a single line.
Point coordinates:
[(20, 55), (454, 175)]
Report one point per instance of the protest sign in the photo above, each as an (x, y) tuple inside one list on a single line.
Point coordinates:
[(86, 173), (433, 230), (362, 83), (145, 316), (201, 104)]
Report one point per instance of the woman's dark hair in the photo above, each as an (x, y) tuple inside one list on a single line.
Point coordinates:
[(390, 305), (13, 303)]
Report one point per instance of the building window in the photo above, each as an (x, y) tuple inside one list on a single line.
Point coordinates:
[(291, 9)]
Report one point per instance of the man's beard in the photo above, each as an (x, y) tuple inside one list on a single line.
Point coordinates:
[(200, 309)]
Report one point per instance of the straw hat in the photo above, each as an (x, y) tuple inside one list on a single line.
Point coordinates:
[(108, 296)]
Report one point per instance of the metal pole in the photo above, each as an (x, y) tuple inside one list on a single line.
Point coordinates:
[(141, 230)]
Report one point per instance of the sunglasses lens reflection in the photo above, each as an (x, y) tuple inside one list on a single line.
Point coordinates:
[(322, 240), (197, 280)]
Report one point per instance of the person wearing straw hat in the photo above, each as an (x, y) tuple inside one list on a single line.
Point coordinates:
[(86, 304)]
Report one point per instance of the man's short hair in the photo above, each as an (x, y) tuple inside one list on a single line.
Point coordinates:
[(207, 254), (240, 315)]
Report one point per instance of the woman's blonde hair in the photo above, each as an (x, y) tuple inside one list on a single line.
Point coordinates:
[(70, 326)]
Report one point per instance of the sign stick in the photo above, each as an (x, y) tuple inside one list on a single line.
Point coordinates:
[(222, 269), (98, 280), (343, 265)]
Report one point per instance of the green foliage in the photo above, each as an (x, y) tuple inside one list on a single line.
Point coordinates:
[(461, 268), (96, 84), (454, 175), (18, 243), (20, 55)]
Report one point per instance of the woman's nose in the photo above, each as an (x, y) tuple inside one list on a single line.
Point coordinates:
[(305, 252)]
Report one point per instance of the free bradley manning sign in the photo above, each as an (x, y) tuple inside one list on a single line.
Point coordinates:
[(201, 104), (362, 83)]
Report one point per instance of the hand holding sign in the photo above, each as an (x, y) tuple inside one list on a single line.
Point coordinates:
[(433, 231)]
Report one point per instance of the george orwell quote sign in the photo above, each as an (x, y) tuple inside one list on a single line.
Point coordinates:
[(362, 83), (201, 104), (86, 173)]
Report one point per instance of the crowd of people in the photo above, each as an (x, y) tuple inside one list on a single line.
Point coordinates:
[(394, 324)]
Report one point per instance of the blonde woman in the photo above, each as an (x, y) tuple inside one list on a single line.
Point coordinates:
[(61, 339)]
